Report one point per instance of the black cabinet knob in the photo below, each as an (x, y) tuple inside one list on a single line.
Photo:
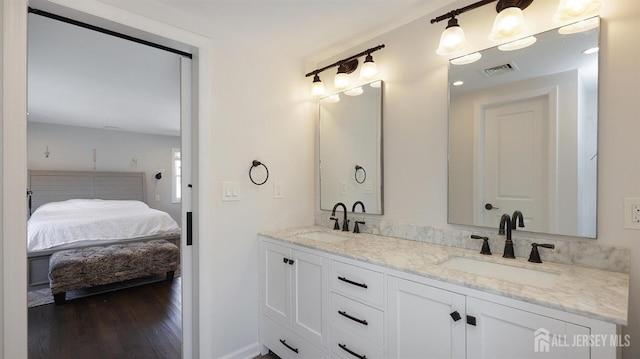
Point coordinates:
[(455, 316)]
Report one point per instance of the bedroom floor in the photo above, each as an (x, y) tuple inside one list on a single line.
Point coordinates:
[(138, 322)]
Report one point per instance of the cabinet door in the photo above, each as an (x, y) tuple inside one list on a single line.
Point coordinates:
[(420, 324), (276, 281), (310, 292), (505, 332)]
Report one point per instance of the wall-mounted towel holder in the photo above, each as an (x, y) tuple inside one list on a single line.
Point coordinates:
[(255, 164), (364, 178)]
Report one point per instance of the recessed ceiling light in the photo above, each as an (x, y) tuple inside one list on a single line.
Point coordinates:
[(592, 50), (458, 83)]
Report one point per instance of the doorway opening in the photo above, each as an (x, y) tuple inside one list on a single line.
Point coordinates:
[(90, 138)]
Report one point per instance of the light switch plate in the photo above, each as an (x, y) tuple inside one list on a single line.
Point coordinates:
[(632, 213), (230, 191), (277, 190)]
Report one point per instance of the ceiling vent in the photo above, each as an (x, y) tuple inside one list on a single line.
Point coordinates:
[(500, 69)]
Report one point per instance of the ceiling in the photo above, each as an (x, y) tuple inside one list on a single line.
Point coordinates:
[(80, 77)]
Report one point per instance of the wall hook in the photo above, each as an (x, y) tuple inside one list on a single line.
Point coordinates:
[(255, 164)]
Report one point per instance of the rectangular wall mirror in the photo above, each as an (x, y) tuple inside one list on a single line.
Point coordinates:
[(523, 135), (351, 148)]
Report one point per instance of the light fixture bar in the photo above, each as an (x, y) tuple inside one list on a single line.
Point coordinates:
[(338, 63), (461, 10)]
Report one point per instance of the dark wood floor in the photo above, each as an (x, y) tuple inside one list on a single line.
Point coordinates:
[(140, 322)]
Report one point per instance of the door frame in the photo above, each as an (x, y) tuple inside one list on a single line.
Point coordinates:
[(479, 108), (13, 333)]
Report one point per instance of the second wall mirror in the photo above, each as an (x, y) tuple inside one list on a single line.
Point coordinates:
[(351, 148)]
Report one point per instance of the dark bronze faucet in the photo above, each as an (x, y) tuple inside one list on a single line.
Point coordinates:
[(353, 209), (517, 215), (345, 221), (505, 223)]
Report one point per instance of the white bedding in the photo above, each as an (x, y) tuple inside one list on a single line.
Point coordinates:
[(61, 223)]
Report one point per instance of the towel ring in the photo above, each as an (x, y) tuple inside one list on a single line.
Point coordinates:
[(254, 164), (360, 168)]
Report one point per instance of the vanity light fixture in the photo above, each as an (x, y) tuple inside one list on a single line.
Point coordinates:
[(346, 66), (509, 23)]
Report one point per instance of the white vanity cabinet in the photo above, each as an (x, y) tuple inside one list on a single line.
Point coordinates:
[(316, 304), (428, 322), (294, 299)]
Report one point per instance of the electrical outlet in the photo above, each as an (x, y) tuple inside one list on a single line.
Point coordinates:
[(277, 190), (632, 213)]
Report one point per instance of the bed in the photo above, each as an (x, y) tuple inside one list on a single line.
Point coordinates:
[(77, 209)]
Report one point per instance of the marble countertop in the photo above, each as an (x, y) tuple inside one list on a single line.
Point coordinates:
[(593, 293)]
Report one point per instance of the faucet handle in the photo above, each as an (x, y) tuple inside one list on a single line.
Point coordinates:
[(335, 224), (485, 245), (356, 228), (535, 254), (345, 225)]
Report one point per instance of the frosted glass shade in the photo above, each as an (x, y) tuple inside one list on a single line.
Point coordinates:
[(451, 40), (317, 88), (341, 81), (570, 9), (369, 71), (467, 59), (509, 23)]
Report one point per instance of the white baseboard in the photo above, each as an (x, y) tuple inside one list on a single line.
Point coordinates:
[(248, 352)]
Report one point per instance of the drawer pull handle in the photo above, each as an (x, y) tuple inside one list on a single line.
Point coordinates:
[(361, 321), (352, 282), (344, 347), (295, 350)]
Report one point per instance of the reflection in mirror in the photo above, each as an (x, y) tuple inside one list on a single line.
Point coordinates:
[(523, 135), (351, 148)]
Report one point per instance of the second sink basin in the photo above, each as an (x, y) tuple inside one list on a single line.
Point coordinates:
[(512, 273), (325, 237)]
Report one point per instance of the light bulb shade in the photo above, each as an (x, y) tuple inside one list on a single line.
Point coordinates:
[(317, 87), (341, 81), (452, 39), (369, 70), (571, 9), (509, 24)]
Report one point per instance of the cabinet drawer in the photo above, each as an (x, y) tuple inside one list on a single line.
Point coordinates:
[(357, 318), (358, 283), (285, 343), (348, 346)]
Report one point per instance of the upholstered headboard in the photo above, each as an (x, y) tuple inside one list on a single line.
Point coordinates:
[(53, 186)]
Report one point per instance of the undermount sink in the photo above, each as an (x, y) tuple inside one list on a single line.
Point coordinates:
[(511, 273), (325, 237)]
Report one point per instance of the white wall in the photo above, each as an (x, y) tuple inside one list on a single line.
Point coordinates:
[(71, 149), (415, 126)]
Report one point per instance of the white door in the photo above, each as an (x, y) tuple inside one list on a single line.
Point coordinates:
[(505, 332), (513, 162), (310, 293), (276, 302), (424, 322)]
